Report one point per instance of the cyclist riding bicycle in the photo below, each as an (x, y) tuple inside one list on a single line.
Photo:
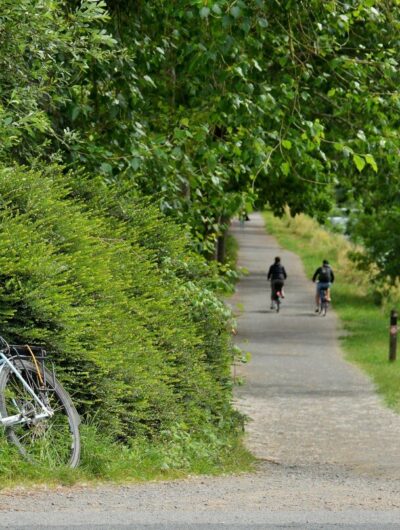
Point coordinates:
[(277, 275), (325, 277)]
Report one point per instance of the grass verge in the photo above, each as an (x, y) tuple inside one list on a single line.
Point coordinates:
[(105, 461), (366, 325)]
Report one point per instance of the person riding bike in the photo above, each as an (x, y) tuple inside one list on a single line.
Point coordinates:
[(277, 275), (325, 277)]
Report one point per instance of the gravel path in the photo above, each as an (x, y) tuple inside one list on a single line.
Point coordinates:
[(327, 447)]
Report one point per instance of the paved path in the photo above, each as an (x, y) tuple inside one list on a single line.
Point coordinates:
[(328, 450), (309, 406)]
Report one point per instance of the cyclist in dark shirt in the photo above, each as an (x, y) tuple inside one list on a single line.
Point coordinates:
[(325, 277), (277, 275)]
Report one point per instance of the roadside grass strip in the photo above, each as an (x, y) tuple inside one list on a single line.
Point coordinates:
[(104, 461), (365, 322)]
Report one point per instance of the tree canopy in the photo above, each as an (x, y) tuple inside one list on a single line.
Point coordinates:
[(210, 105)]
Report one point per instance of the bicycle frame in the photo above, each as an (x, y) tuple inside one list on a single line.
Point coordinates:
[(20, 418)]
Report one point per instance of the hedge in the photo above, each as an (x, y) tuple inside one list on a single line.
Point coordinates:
[(127, 312)]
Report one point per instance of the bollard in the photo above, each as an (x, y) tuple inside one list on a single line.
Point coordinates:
[(393, 335)]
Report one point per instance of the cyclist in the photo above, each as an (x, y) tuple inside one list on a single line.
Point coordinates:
[(277, 275), (325, 277)]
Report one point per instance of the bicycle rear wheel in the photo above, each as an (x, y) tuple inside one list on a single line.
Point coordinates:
[(323, 308), (323, 304), (53, 441)]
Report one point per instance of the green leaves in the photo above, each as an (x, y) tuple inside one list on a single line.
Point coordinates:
[(216, 9), (204, 12), (226, 91), (371, 161), (285, 167), (361, 161), (235, 11)]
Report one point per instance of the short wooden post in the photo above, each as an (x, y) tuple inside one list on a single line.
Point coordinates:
[(393, 335)]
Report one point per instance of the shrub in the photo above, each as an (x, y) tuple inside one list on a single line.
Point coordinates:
[(136, 344)]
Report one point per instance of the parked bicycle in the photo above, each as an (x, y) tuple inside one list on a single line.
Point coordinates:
[(36, 412)]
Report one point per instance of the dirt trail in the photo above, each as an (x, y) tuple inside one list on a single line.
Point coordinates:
[(328, 448)]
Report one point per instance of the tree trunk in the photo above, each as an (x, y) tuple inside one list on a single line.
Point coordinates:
[(221, 248)]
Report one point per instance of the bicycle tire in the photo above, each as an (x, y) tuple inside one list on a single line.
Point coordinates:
[(52, 442), (323, 308), (323, 304)]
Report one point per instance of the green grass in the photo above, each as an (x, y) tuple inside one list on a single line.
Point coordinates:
[(103, 461), (365, 337)]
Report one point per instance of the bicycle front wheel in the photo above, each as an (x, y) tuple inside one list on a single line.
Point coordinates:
[(53, 441)]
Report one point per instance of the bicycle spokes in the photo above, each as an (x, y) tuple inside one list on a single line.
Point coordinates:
[(50, 438)]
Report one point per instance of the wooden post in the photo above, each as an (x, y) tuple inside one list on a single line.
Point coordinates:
[(393, 335)]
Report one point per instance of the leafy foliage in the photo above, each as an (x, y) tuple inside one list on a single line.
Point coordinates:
[(140, 347), (209, 107)]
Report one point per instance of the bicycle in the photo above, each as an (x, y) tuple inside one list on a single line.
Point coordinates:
[(36, 412), (276, 287), (323, 301)]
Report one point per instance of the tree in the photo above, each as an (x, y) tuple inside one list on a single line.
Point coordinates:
[(273, 103), (209, 106)]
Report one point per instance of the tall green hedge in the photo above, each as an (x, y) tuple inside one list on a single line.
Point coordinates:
[(110, 287)]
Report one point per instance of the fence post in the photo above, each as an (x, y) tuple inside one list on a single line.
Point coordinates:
[(393, 335)]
